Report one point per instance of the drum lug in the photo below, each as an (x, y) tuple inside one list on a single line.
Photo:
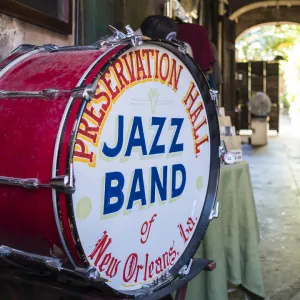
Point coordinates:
[(185, 270), (222, 149), (24, 47), (120, 38), (180, 45), (215, 212), (136, 40), (87, 93), (91, 274), (50, 47), (64, 183), (214, 97)]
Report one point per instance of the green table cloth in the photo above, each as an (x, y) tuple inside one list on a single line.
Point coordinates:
[(231, 240)]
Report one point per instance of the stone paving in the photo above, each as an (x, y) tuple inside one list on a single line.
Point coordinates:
[(275, 175)]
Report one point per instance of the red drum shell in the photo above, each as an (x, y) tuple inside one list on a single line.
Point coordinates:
[(29, 132)]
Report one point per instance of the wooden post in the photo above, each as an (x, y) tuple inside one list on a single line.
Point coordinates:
[(171, 8), (201, 12)]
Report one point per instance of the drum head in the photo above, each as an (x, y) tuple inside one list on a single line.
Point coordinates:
[(146, 164)]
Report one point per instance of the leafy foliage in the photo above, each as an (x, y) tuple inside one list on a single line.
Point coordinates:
[(267, 41), (264, 43)]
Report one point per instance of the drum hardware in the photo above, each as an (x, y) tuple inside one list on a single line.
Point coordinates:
[(86, 93), (119, 38), (24, 47), (214, 96), (194, 268), (53, 264), (28, 183), (185, 270), (28, 47), (215, 212), (63, 184), (167, 278), (50, 47), (158, 283), (180, 45), (91, 274), (222, 149), (53, 48), (75, 236), (13, 257), (50, 262), (76, 48), (4, 251)]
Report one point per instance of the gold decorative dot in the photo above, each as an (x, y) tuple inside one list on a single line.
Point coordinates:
[(199, 183), (84, 208)]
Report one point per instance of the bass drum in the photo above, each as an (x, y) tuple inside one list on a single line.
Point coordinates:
[(109, 162)]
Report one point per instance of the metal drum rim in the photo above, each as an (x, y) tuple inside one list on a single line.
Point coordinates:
[(210, 198)]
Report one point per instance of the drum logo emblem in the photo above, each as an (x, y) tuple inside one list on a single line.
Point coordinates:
[(142, 158)]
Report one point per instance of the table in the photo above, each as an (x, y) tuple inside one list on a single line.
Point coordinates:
[(231, 240)]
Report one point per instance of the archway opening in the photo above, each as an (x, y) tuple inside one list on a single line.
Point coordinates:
[(271, 44), (268, 60)]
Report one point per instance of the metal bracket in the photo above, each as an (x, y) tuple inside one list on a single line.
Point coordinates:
[(29, 47), (24, 260), (64, 183), (185, 270), (50, 47), (119, 38), (180, 45), (49, 262), (86, 93), (222, 148), (158, 283), (90, 274), (24, 47), (215, 212), (214, 97)]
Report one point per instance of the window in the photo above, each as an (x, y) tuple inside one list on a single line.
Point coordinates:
[(52, 14)]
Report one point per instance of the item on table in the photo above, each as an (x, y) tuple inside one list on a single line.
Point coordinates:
[(228, 131), (229, 158), (221, 111), (225, 121), (233, 142), (238, 155)]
